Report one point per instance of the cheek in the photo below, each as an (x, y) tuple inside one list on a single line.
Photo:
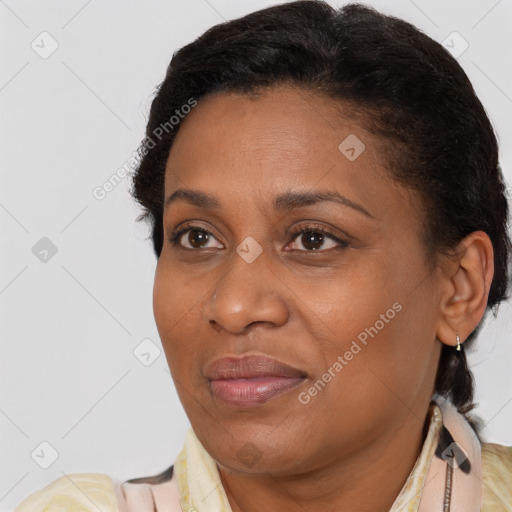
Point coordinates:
[(372, 333), (175, 296), (164, 300), (347, 307), (358, 335), (173, 308)]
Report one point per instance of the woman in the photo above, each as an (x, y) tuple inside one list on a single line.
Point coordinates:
[(330, 222)]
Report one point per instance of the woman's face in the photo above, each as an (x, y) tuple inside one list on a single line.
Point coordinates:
[(305, 251)]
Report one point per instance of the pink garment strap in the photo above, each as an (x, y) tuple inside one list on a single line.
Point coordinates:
[(163, 497), (466, 478)]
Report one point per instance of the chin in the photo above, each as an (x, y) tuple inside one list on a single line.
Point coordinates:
[(253, 449)]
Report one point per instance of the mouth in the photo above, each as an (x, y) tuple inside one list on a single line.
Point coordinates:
[(251, 380)]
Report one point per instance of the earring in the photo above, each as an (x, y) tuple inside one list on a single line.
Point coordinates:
[(458, 342)]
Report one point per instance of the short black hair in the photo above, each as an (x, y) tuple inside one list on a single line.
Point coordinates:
[(405, 87)]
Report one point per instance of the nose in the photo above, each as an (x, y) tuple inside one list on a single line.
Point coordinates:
[(246, 294)]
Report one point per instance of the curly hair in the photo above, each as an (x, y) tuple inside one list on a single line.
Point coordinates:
[(401, 85)]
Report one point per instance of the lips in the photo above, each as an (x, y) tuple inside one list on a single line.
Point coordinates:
[(249, 367), (251, 380)]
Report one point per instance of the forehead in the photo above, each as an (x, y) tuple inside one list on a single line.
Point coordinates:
[(278, 119), (284, 137)]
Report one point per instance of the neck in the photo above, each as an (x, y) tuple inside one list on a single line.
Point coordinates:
[(370, 480)]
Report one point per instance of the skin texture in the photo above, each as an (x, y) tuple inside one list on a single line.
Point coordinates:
[(352, 446)]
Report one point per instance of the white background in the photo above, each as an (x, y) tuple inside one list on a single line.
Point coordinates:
[(69, 326)]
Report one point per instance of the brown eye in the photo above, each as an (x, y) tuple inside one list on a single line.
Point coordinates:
[(317, 240), (312, 240), (197, 238)]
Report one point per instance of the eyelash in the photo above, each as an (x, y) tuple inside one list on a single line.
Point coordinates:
[(175, 237)]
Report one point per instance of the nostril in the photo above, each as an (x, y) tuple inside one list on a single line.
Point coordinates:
[(215, 325)]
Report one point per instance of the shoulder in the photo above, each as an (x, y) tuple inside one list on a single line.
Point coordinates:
[(496, 476), (83, 492)]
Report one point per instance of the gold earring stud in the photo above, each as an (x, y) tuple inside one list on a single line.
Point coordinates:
[(458, 342)]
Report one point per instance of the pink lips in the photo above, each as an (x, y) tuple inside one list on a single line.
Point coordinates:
[(251, 380)]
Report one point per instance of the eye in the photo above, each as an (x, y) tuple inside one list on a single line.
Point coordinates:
[(197, 237), (314, 238)]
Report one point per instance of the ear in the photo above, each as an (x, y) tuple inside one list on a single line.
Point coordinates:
[(465, 284)]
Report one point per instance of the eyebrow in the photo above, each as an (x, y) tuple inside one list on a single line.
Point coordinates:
[(282, 203)]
